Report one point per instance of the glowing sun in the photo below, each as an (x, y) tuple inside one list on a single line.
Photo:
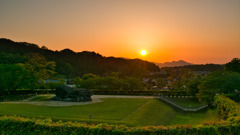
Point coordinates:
[(143, 52)]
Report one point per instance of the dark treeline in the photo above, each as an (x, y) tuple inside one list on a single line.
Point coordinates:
[(72, 64), (202, 67)]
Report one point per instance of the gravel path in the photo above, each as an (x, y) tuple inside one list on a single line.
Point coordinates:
[(95, 99)]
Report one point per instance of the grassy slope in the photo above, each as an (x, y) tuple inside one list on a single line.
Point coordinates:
[(133, 112), (186, 102), (195, 118), (156, 112), (153, 112)]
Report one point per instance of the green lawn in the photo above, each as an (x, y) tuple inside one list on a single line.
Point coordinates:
[(109, 110), (155, 112), (195, 118), (129, 111), (186, 102)]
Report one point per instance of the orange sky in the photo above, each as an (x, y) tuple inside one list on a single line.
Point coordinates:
[(205, 31)]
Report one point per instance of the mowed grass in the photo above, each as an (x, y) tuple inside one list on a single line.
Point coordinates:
[(195, 118), (129, 111), (155, 112), (186, 102), (110, 110)]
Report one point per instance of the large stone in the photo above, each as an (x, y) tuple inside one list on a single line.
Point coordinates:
[(65, 93)]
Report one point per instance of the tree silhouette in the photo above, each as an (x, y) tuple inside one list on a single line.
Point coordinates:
[(233, 65)]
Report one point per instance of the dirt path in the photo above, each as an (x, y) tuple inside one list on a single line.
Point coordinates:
[(95, 99)]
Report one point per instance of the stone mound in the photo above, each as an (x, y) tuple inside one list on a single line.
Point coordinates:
[(65, 93)]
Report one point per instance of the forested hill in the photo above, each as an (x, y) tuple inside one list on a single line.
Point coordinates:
[(73, 64), (201, 67)]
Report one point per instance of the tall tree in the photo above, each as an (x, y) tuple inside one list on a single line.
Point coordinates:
[(13, 77), (39, 66), (218, 82)]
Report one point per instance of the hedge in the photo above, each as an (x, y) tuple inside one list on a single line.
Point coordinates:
[(228, 109), (15, 97), (140, 92), (105, 92)]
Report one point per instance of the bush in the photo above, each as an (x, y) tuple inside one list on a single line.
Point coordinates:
[(15, 97), (228, 109), (139, 92)]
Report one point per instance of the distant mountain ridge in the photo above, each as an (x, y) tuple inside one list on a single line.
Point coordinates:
[(174, 64), (74, 64)]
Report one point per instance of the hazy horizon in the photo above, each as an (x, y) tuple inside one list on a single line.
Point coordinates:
[(198, 32)]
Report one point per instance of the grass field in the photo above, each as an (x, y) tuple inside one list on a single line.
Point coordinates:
[(156, 112), (186, 102), (129, 111)]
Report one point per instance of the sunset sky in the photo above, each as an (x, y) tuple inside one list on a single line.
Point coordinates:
[(197, 31)]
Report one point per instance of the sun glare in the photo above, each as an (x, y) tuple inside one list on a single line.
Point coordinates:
[(143, 52)]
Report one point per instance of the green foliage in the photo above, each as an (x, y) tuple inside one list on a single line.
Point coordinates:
[(132, 83), (91, 81), (10, 58), (77, 81), (15, 97), (218, 82), (108, 83), (14, 77), (235, 97), (228, 109), (160, 83), (233, 65), (65, 68), (53, 85), (39, 66), (192, 86), (139, 92), (89, 76), (179, 78)]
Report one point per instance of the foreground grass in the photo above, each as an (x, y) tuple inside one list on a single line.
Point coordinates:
[(132, 112)]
